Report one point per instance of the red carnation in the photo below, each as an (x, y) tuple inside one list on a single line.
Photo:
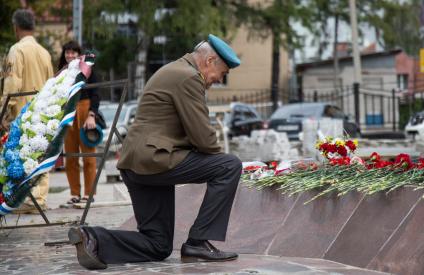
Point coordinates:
[(4, 138), (404, 160), (342, 151), (375, 157), (332, 148), (420, 164), (351, 145)]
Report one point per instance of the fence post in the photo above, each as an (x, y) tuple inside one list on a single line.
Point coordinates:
[(394, 109), (356, 102)]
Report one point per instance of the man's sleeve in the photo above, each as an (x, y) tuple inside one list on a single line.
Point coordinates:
[(13, 83), (194, 115)]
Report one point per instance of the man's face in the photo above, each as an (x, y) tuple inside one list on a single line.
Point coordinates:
[(215, 70)]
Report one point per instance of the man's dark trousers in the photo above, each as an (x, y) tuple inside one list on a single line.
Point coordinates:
[(153, 198)]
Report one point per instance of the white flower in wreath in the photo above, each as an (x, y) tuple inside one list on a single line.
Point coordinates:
[(39, 143), (23, 140), (53, 100), (52, 110), (25, 152), (41, 105), (39, 128), (26, 116), (35, 118), (30, 165), (25, 125), (49, 84), (3, 171), (52, 126)]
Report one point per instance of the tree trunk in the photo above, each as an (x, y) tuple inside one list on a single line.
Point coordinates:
[(335, 54), (275, 72), (112, 89), (140, 66)]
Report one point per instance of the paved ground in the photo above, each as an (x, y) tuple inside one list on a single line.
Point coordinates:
[(23, 250)]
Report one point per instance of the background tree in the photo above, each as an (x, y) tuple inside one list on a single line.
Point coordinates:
[(275, 19)]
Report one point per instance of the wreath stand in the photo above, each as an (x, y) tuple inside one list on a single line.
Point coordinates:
[(102, 155)]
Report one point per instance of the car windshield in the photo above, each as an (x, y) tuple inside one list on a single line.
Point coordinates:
[(298, 111), (109, 112)]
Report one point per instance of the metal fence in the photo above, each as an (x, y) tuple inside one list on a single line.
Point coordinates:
[(260, 99), (371, 108)]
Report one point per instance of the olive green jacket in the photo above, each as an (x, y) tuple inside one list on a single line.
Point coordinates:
[(172, 119)]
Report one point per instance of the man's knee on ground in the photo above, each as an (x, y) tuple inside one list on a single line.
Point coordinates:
[(163, 252)]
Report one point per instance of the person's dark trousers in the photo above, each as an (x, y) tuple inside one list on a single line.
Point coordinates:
[(153, 198)]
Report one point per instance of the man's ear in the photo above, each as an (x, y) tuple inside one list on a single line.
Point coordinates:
[(209, 60)]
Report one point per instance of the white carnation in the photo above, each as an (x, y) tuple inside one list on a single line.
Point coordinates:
[(30, 165), (40, 105), (35, 118), (39, 128), (49, 84), (25, 151), (52, 110), (52, 126), (39, 143), (23, 140), (26, 115), (25, 126), (53, 100)]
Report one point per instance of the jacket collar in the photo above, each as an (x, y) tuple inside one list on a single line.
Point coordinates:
[(188, 57), (27, 38)]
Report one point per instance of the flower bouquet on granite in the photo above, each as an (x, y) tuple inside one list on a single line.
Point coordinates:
[(341, 172), (35, 138)]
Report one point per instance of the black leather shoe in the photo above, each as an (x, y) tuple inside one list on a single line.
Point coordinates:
[(205, 252), (86, 245)]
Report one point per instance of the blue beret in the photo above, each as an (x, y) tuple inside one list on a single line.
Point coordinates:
[(91, 137), (224, 51)]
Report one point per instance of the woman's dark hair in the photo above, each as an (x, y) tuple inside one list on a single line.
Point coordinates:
[(71, 45)]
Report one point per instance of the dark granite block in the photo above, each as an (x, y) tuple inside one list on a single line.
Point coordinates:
[(310, 228), (256, 218), (403, 253), (370, 226)]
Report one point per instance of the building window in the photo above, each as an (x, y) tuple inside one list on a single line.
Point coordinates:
[(402, 81)]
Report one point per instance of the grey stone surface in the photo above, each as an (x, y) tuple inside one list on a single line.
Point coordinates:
[(23, 250)]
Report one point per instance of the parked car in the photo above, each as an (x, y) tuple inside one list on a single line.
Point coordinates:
[(240, 118), (125, 119), (288, 118), (415, 125)]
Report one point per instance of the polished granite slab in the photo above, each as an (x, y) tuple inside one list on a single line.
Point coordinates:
[(369, 227), (311, 228), (403, 253)]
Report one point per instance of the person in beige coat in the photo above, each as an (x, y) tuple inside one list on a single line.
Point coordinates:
[(31, 67), (171, 142)]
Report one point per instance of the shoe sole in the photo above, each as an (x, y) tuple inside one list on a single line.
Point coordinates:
[(190, 259), (84, 258)]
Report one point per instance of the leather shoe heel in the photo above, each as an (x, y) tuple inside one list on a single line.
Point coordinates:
[(186, 259), (86, 246)]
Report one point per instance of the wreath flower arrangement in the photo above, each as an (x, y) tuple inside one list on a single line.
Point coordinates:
[(35, 137)]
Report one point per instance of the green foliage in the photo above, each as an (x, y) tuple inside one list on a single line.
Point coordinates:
[(274, 18), (409, 108), (7, 36)]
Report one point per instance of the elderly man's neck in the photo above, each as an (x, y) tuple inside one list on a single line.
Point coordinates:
[(22, 33)]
